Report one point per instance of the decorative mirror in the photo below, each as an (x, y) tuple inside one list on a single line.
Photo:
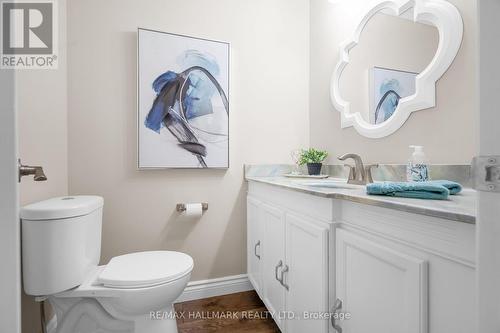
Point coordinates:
[(389, 67)]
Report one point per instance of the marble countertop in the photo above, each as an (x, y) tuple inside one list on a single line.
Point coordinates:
[(460, 208)]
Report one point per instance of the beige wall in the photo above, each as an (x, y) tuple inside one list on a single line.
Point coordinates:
[(446, 131), (268, 118), (41, 97)]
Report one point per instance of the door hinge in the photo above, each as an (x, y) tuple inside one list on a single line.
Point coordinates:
[(485, 173)]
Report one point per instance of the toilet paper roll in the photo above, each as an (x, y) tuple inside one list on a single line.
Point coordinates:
[(193, 209)]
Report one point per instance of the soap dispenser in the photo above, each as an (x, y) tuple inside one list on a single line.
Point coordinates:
[(417, 169)]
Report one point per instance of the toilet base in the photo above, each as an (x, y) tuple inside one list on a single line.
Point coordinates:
[(92, 308), (159, 322), (86, 315)]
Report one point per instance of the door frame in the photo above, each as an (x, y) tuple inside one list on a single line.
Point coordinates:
[(488, 210), (10, 238)]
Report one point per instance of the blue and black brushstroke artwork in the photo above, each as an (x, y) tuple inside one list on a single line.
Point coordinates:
[(181, 98), (388, 102)]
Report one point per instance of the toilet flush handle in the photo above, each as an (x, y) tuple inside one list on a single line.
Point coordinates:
[(26, 170)]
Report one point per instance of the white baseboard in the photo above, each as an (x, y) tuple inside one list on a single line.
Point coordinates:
[(215, 287)]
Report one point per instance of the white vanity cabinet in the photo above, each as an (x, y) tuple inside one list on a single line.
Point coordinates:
[(307, 261), (291, 275), (391, 271), (254, 244), (273, 261), (384, 290)]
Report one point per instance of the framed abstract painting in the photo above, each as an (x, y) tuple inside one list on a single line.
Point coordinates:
[(387, 87), (183, 101)]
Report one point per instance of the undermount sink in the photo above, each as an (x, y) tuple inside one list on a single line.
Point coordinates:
[(330, 183)]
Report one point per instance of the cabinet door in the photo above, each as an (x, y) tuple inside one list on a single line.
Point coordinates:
[(254, 244), (383, 290), (307, 276), (273, 256)]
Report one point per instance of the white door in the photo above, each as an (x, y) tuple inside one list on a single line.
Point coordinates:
[(383, 291), (274, 259), (10, 278), (307, 275), (488, 222), (254, 244)]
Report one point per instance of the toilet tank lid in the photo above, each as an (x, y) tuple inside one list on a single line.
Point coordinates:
[(61, 207)]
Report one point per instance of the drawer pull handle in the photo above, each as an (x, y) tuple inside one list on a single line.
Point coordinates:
[(280, 263), (255, 249), (283, 271), (337, 306)]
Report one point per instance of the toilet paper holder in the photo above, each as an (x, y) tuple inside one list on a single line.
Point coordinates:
[(181, 207)]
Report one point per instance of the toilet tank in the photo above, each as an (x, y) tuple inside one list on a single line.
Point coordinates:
[(61, 242)]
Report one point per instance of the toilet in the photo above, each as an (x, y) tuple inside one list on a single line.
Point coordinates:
[(61, 248)]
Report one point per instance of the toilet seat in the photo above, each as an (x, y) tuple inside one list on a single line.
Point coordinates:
[(145, 269)]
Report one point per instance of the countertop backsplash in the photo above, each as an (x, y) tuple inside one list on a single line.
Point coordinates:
[(384, 172)]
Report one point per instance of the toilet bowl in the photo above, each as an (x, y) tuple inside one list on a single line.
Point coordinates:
[(132, 293)]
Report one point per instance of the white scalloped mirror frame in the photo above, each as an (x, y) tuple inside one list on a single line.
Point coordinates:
[(448, 21)]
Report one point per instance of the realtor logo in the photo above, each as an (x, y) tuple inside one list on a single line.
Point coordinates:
[(29, 35)]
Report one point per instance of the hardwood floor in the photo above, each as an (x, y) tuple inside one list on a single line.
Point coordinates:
[(235, 313)]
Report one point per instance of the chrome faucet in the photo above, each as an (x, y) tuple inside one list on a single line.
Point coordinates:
[(36, 171), (358, 174)]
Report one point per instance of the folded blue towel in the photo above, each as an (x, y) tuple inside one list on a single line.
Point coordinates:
[(453, 187), (436, 190)]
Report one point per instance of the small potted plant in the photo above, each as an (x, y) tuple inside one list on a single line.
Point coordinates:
[(313, 158)]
